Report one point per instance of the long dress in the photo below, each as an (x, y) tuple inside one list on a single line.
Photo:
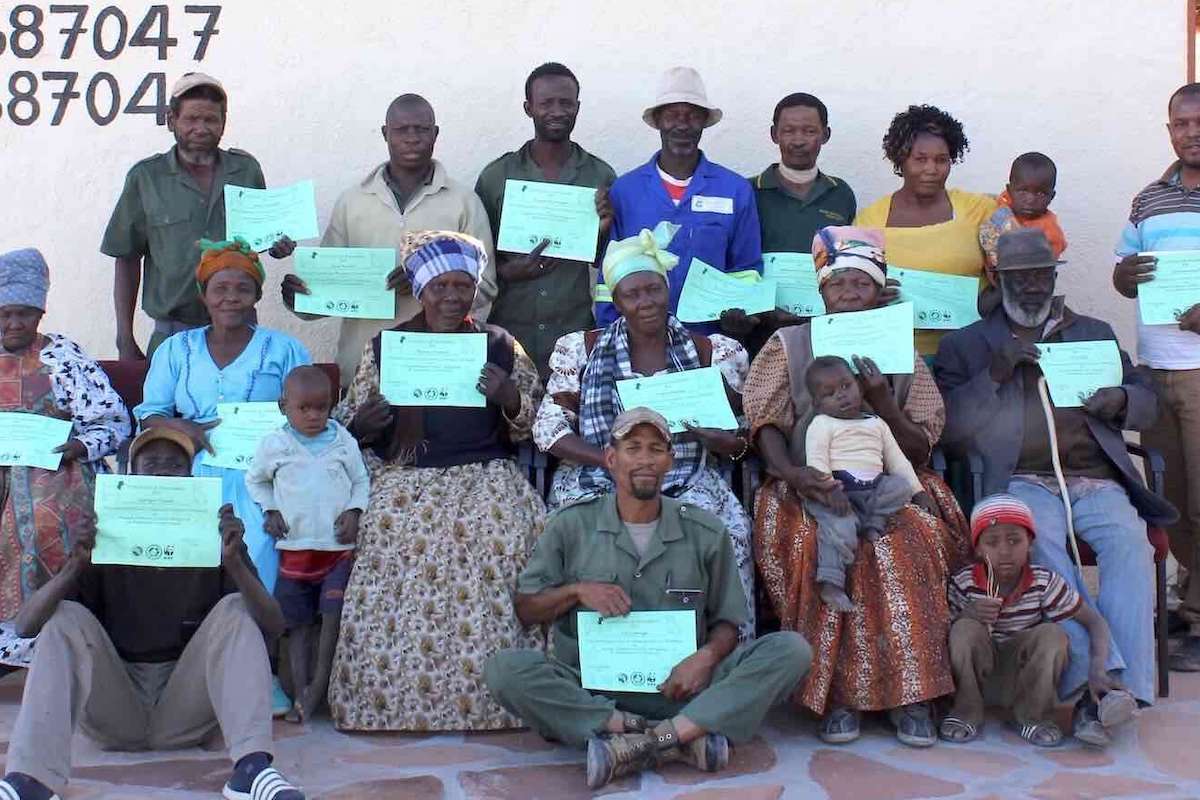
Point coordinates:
[(184, 381), (892, 649), (558, 416), (439, 552), (39, 508)]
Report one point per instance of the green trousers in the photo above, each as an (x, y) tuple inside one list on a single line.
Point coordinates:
[(547, 695)]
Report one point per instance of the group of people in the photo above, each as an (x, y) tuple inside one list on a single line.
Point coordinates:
[(412, 565)]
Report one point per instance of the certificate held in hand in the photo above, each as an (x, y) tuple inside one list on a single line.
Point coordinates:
[(148, 521), (796, 283), (707, 292), (264, 216), (1174, 290), (884, 335), (1075, 370), (940, 302), (633, 653), (535, 211), (346, 282), (242, 427), (432, 369), (29, 440), (695, 396)]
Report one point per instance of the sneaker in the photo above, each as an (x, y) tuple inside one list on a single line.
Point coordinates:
[(914, 725), (254, 778), (19, 786), (281, 704), (615, 755), (840, 726), (1116, 708), (1085, 723), (707, 753)]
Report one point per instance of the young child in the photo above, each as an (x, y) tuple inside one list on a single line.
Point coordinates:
[(1024, 203), (876, 479), (311, 482), (1006, 646)]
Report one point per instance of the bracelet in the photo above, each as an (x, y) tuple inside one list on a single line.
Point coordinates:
[(744, 451)]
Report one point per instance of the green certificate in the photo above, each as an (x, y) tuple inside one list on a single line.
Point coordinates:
[(1175, 288), (1075, 370), (432, 369), (707, 292), (634, 653), (243, 426), (696, 396), (263, 216), (29, 440), (940, 302), (147, 521), (566, 215), (884, 335), (796, 279), (346, 282)]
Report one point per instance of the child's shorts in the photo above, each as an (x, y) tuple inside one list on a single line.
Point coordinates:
[(311, 583)]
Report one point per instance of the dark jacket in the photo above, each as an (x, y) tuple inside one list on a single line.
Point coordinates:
[(988, 418)]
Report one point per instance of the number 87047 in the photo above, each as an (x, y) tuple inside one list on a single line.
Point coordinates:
[(109, 30)]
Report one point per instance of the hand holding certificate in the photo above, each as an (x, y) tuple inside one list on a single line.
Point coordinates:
[(707, 292), (634, 653), (535, 211), (1075, 370), (884, 335), (243, 425), (263, 216), (30, 440), (695, 396), (1174, 290), (796, 281), (940, 302), (432, 369), (148, 521), (346, 282)]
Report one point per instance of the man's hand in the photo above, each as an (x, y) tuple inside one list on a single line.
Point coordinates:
[(1100, 682), (1012, 354), (983, 609), (923, 501), (275, 525), (1107, 404), (1131, 272), (128, 350), (371, 419), (289, 287), (1190, 321), (605, 211), (689, 677), (282, 248), (83, 541), (874, 384), (232, 531), (347, 526), (608, 599), (73, 450), (497, 385), (521, 267)]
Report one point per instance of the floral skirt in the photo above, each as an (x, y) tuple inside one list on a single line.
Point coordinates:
[(430, 598)]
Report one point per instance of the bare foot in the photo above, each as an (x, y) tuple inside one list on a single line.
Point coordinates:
[(835, 598), (296, 713)]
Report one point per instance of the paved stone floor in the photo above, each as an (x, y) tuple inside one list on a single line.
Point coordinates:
[(1156, 756)]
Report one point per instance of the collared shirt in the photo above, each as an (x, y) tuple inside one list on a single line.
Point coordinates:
[(789, 223), (1039, 596), (688, 564), (161, 216), (1164, 216), (558, 302), (718, 215), (367, 215)]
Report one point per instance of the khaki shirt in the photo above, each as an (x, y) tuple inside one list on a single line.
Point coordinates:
[(366, 215), (162, 215), (689, 553)]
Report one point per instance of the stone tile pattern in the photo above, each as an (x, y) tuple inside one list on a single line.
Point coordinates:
[(1154, 757)]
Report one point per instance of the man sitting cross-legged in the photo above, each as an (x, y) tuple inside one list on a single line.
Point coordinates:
[(143, 658)]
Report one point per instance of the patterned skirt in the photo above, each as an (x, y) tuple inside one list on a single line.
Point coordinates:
[(892, 649), (430, 598)]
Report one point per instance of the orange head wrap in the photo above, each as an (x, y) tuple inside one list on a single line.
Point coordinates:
[(218, 256)]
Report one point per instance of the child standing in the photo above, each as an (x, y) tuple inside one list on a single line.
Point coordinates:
[(1006, 646), (876, 478), (311, 482)]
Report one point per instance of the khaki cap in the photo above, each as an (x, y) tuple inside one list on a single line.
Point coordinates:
[(626, 421), (192, 80), (161, 432)]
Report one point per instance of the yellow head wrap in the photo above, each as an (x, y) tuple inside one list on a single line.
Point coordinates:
[(645, 252)]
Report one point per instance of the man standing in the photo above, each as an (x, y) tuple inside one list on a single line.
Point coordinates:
[(543, 298), (170, 202), (989, 375), (1166, 216), (713, 205), (407, 193), (637, 550)]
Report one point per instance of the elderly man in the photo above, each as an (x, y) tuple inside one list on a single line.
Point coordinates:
[(637, 550), (170, 202), (146, 658), (543, 298), (1166, 216), (713, 205), (409, 192), (988, 373)]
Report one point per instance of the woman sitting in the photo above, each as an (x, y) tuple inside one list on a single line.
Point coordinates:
[(449, 525), (888, 653), (46, 374), (575, 420)]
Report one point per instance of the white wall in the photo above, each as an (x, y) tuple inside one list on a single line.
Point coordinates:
[(1085, 82)]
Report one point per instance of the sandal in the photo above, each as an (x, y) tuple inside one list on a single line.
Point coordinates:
[(914, 725), (840, 726), (1039, 734), (958, 731)]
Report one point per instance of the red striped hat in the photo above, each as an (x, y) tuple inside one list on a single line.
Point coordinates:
[(998, 509)]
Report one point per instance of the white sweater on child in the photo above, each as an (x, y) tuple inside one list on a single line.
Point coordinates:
[(863, 447)]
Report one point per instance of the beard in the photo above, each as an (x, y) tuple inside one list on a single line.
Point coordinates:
[(1023, 318), (643, 491)]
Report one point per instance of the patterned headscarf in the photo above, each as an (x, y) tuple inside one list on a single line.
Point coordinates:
[(646, 252), (237, 254), (24, 278), (848, 247), (428, 254)]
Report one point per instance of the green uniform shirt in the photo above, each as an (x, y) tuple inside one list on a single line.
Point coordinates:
[(539, 311), (162, 215), (789, 223), (689, 553)]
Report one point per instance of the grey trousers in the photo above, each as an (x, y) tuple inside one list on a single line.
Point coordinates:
[(221, 680), (837, 535)]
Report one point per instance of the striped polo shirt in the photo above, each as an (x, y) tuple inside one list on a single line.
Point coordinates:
[(1164, 216), (1040, 596)]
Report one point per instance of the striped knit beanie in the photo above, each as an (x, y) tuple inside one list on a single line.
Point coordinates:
[(998, 509)]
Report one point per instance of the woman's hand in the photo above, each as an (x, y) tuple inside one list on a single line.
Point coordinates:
[(923, 501), (371, 419), (889, 294), (873, 384), (398, 279), (73, 450), (496, 385), (811, 483), (717, 441)]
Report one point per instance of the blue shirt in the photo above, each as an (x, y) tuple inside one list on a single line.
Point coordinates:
[(315, 444), (718, 216)]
